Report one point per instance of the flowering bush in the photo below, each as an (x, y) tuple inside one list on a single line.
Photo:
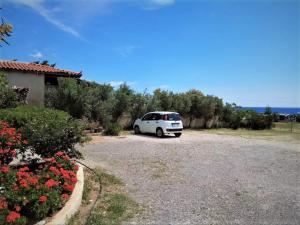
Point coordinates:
[(10, 140), (35, 191), (46, 130)]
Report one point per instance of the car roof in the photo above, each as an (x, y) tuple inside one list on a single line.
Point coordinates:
[(162, 112)]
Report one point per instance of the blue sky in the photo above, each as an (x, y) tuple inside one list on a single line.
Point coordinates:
[(245, 52)]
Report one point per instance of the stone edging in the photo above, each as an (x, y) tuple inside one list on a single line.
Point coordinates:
[(72, 205)]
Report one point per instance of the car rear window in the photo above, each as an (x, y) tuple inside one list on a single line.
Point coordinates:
[(171, 116)]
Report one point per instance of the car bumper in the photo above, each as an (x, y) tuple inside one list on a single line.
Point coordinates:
[(173, 130)]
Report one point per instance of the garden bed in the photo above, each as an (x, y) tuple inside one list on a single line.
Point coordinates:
[(30, 193), (40, 186)]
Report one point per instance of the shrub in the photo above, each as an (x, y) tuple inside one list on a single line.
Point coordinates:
[(10, 140), (297, 118), (46, 130), (236, 118), (35, 192), (257, 121), (251, 120), (112, 129), (8, 97)]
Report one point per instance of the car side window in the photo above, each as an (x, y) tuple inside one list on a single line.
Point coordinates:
[(148, 116), (156, 116)]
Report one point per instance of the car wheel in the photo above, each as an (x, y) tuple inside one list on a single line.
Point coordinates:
[(177, 134), (137, 130), (159, 132)]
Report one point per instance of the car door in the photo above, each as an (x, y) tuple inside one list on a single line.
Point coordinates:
[(153, 123), (145, 124)]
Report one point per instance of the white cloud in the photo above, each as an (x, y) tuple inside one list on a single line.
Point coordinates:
[(162, 2), (37, 54), (125, 51), (157, 4), (164, 86), (80, 11), (47, 14), (116, 84)]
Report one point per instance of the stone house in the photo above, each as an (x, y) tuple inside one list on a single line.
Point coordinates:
[(34, 77)]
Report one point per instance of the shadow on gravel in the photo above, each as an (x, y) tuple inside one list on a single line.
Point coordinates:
[(153, 136)]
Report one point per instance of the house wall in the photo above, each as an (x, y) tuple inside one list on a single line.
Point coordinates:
[(34, 82)]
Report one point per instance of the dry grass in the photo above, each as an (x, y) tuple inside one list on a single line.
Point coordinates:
[(281, 131)]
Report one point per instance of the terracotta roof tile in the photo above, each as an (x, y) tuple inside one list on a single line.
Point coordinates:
[(32, 67)]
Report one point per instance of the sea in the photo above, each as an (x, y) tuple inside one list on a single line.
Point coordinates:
[(280, 110)]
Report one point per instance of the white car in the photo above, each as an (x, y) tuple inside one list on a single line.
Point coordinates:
[(159, 123)]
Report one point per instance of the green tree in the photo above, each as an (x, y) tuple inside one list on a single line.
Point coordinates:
[(162, 99), (98, 101), (122, 101), (196, 101), (69, 96), (140, 103), (181, 103), (227, 113)]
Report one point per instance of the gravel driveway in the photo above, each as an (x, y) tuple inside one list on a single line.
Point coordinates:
[(205, 178)]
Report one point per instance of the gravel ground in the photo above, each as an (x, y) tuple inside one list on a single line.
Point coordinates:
[(205, 178)]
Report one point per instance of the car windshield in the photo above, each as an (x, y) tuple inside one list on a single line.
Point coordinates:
[(174, 116)]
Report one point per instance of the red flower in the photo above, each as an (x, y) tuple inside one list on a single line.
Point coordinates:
[(3, 204), (76, 167), (24, 183), (23, 169), (72, 174), (33, 180), (51, 183), (43, 198), (22, 174), (67, 158), (12, 216), (64, 173), (65, 196), (68, 187), (15, 187), (5, 169), (52, 160), (54, 170), (17, 208), (59, 154), (74, 180)]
